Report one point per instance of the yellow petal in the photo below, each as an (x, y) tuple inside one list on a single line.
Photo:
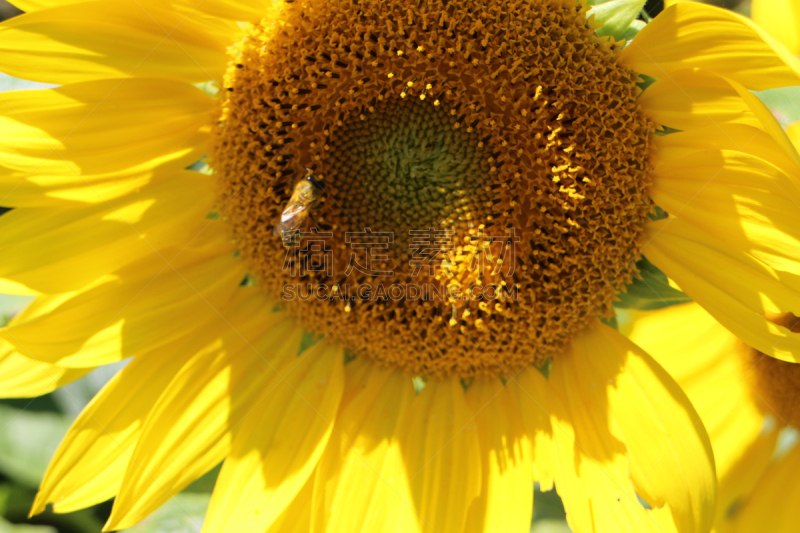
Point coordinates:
[(91, 460), (22, 377), (774, 504), (357, 371), (734, 288), (10, 287), (55, 250), (361, 481), (608, 411), (740, 481), (40, 306), (37, 5), (692, 35), (690, 99), (741, 200), (590, 473), (137, 309), (768, 121), (399, 461), (437, 441), (100, 39), (729, 137), (670, 453), (278, 445), (90, 463), (189, 429), (297, 517), (238, 10), (102, 128), (506, 500), (76, 190), (793, 131), (705, 359), (779, 18)]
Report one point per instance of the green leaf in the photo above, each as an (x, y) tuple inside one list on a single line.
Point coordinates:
[(5, 492), (16, 501), (616, 16), (783, 102), (547, 506), (8, 527), (183, 513), (28, 440), (653, 291)]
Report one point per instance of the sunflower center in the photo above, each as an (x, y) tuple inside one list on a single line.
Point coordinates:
[(775, 384), (460, 185), (405, 167)]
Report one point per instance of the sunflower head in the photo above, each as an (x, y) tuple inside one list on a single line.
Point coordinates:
[(495, 155), (485, 171)]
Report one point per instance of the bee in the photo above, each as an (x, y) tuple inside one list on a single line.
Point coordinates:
[(306, 194)]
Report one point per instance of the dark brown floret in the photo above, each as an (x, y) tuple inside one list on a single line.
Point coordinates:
[(506, 119)]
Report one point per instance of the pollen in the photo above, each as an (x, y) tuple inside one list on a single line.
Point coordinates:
[(483, 169)]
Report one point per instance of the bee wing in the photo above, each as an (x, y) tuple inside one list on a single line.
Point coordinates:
[(287, 222), (291, 211)]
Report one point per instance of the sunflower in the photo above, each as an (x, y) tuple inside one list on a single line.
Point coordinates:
[(501, 155), (748, 402)]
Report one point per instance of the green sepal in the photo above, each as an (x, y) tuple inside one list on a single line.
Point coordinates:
[(652, 291), (211, 88), (610, 322), (419, 383), (307, 341), (616, 17), (544, 368)]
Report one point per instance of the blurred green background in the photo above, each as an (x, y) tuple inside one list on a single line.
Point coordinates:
[(31, 429)]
